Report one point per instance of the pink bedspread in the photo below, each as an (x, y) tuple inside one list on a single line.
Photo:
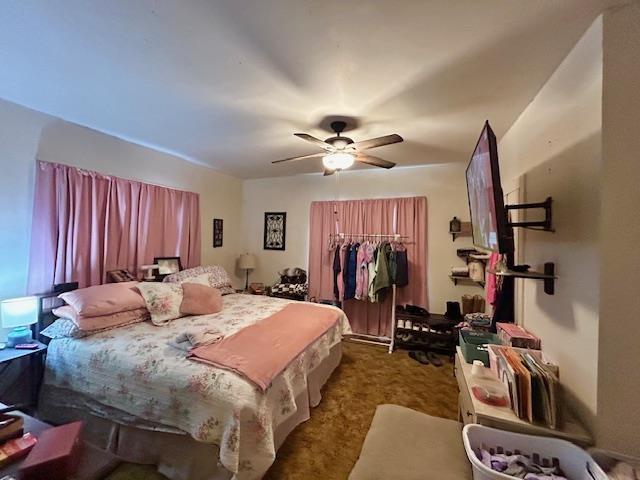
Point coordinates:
[(263, 350)]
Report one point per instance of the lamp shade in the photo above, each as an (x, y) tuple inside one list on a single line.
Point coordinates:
[(247, 261), (19, 312)]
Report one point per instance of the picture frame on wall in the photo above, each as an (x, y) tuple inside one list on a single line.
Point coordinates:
[(217, 232), (275, 230)]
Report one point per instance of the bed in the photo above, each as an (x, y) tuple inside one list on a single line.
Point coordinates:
[(145, 402)]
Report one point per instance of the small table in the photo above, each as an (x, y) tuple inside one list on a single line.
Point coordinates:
[(472, 410), (94, 463), (36, 366)]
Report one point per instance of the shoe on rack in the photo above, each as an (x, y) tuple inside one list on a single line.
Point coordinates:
[(406, 337), (416, 310), (468, 304), (453, 311)]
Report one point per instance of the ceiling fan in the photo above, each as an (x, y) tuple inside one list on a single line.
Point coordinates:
[(341, 152)]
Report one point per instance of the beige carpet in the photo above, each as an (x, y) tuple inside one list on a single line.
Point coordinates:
[(328, 445)]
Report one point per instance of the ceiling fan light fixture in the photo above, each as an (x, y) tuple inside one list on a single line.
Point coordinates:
[(338, 161)]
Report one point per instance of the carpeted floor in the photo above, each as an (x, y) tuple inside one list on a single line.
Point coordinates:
[(328, 445)]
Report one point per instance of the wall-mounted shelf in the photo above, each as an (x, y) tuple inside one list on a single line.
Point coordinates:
[(548, 276), (465, 231), (455, 279)]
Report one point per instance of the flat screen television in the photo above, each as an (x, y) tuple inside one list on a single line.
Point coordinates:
[(489, 221)]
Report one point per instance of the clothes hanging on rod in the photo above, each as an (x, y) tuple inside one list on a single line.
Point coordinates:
[(364, 271)]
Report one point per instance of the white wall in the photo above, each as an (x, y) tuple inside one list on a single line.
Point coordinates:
[(443, 185), (619, 345), (26, 134), (556, 145)]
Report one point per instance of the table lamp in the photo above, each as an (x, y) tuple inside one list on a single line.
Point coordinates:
[(18, 314), (247, 262)]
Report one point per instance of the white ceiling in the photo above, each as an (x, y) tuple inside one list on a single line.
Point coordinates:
[(226, 83)]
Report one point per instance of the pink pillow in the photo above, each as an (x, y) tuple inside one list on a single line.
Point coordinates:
[(104, 321), (198, 299), (104, 299)]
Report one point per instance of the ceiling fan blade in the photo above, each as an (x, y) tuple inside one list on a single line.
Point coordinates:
[(371, 160), (328, 172), (377, 142), (301, 157), (317, 141)]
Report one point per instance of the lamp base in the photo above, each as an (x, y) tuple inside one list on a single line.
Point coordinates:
[(19, 335)]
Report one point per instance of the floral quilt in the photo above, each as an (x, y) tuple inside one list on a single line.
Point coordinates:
[(135, 370)]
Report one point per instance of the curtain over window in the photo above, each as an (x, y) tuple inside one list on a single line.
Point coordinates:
[(405, 216), (86, 224)]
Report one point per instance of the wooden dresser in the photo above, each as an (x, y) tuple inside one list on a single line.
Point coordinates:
[(472, 410)]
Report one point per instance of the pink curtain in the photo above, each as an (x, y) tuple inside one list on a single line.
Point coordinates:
[(86, 224), (405, 216)]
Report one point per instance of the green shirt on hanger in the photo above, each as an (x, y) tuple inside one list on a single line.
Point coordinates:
[(383, 275)]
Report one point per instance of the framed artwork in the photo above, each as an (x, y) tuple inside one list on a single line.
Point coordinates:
[(275, 230), (167, 265), (217, 232)]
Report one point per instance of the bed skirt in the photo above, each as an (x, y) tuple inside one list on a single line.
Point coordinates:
[(175, 453)]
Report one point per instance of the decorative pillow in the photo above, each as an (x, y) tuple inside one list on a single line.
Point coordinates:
[(101, 322), (204, 279), (104, 299), (163, 301), (218, 277), (200, 299)]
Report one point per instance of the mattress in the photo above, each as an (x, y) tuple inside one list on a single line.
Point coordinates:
[(133, 370)]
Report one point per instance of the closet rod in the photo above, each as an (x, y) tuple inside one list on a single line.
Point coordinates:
[(391, 235)]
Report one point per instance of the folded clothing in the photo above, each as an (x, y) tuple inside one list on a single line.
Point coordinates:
[(460, 271), (101, 322), (105, 299), (191, 339)]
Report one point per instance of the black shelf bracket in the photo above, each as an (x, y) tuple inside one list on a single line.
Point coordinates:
[(549, 283), (544, 225), (548, 276)]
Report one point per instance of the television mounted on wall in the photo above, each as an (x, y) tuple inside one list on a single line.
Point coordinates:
[(489, 220)]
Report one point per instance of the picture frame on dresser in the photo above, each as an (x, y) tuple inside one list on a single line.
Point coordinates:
[(167, 266)]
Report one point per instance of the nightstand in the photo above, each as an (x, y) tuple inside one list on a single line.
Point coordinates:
[(94, 463), (36, 366)]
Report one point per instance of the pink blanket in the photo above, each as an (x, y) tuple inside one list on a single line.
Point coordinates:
[(261, 351)]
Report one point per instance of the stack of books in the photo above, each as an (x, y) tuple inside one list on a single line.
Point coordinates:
[(532, 383)]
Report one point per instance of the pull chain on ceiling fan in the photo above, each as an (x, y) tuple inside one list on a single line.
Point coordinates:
[(341, 152)]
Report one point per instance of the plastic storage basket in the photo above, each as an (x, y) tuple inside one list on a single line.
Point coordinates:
[(576, 463), (473, 345)]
